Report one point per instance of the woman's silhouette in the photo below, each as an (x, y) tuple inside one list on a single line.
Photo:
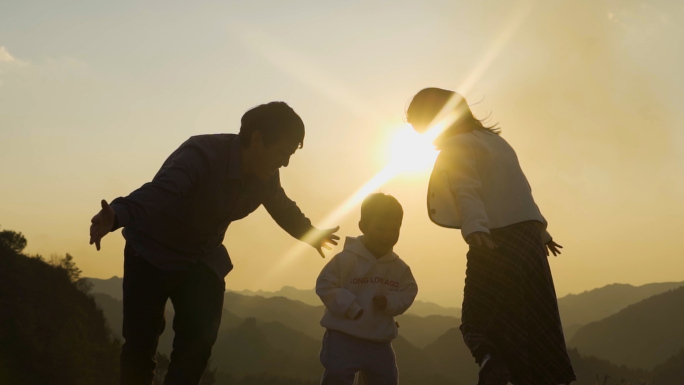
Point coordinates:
[(510, 318)]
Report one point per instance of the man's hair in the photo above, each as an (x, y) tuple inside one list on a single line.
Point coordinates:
[(275, 121), (380, 205)]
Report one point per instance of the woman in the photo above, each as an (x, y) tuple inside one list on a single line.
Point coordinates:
[(510, 318)]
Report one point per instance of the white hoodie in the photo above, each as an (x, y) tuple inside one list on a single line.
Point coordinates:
[(348, 284)]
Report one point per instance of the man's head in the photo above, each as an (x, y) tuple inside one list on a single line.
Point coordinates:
[(269, 135), (380, 223)]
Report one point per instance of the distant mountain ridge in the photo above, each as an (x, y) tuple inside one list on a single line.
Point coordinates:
[(112, 287), (297, 315), (596, 304), (282, 336), (642, 335), (309, 297), (576, 309)]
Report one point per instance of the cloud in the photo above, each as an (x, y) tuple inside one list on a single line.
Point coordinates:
[(5, 56)]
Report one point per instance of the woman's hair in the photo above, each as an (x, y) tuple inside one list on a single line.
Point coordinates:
[(275, 121), (428, 104)]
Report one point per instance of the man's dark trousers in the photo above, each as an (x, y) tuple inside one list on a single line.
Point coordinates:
[(197, 297)]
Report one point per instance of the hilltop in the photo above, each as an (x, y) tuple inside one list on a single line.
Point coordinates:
[(51, 331)]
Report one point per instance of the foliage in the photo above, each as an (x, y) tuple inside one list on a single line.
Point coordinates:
[(12, 241), (670, 372), (593, 371), (67, 264)]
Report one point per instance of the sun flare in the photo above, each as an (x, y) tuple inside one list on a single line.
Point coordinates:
[(411, 152)]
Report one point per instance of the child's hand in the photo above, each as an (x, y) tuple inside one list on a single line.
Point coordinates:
[(380, 302)]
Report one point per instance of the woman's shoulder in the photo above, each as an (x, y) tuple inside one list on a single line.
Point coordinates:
[(458, 140), (467, 141)]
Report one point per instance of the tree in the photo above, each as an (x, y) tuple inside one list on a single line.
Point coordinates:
[(12, 240), (67, 264)]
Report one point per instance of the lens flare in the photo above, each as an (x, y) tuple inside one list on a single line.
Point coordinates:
[(410, 152)]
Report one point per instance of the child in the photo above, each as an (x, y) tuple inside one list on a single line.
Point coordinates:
[(363, 288)]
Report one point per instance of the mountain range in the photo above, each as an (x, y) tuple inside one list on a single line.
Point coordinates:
[(430, 349), (642, 335), (578, 310)]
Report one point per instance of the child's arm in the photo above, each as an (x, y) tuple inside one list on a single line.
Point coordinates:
[(398, 301), (340, 301)]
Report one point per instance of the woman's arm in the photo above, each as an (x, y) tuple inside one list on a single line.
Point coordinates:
[(460, 162)]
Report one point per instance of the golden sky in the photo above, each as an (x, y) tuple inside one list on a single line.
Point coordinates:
[(94, 96)]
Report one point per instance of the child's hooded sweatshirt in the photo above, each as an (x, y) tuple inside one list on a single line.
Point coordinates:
[(348, 284)]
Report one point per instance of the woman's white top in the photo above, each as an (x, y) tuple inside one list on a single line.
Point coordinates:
[(477, 185)]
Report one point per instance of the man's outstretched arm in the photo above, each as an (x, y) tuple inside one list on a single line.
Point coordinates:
[(291, 219)]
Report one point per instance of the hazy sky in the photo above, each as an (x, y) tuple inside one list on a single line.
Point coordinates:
[(94, 95)]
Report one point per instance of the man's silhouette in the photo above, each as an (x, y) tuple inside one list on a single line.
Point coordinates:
[(174, 228)]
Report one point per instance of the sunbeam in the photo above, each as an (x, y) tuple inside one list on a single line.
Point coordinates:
[(299, 67), (410, 151)]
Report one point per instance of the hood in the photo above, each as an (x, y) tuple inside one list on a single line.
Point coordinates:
[(355, 245)]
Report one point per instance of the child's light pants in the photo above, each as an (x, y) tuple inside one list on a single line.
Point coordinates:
[(343, 355)]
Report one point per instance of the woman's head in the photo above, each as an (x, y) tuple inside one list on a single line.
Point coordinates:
[(434, 105)]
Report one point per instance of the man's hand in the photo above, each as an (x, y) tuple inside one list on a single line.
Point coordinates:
[(380, 302), (101, 224), (554, 247), (321, 238), (480, 238)]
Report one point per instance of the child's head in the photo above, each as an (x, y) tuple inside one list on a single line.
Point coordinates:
[(380, 223)]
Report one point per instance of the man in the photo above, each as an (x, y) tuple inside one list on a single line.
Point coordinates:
[(174, 228)]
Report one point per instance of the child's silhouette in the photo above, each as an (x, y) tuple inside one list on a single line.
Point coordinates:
[(363, 288)]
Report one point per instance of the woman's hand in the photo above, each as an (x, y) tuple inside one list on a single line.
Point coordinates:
[(553, 247), (482, 239)]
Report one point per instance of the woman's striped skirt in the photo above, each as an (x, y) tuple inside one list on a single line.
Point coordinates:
[(510, 308)]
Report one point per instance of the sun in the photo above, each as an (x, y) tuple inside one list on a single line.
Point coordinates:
[(411, 152)]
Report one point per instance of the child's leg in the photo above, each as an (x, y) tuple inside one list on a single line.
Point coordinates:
[(340, 357), (380, 366)]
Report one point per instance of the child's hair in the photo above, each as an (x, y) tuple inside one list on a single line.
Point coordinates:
[(380, 205)]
